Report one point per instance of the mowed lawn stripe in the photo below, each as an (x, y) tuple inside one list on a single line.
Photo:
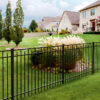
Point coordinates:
[(87, 88)]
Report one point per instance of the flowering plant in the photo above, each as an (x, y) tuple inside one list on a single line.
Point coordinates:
[(53, 56), (56, 41)]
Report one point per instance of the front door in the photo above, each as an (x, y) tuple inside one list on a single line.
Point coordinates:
[(93, 26)]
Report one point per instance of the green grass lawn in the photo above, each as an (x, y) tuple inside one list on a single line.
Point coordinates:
[(87, 88), (31, 43)]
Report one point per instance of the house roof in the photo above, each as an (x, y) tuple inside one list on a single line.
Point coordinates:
[(97, 3), (48, 20), (74, 17), (51, 19)]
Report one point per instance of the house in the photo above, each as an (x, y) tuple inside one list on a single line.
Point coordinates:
[(40, 25), (51, 23), (90, 17), (70, 21)]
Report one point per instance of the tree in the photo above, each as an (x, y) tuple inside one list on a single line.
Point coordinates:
[(8, 23), (17, 30), (33, 26), (1, 25)]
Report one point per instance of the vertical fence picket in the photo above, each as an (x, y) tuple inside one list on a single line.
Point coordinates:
[(38, 74), (44, 69), (50, 69), (24, 73), (17, 75), (21, 74), (28, 71), (12, 74), (2, 75), (7, 76), (93, 58), (47, 69), (31, 75), (41, 68), (63, 64), (35, 74)]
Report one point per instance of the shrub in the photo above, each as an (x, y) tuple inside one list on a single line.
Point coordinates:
[(36, 30), (71, 56), (35, 58), (46, 30), (52, 57), (24, 30), (39, 30), (91, 33), (63, 32), (28, 30), (47, 61)]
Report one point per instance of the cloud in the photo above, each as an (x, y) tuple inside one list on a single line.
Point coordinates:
[(83, 4), (36, 9), (40, 9), (63, 4), (80, 6)]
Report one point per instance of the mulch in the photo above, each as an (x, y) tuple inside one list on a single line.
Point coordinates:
[(5, 45), (1, 41), (15, 48)]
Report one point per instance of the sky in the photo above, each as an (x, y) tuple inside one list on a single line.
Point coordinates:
[(37, 9)]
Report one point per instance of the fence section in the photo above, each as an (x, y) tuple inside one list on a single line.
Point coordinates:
[(34, 70)]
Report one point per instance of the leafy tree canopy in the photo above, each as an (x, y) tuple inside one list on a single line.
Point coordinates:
[(7, 23), (1, 25), (33, 25)]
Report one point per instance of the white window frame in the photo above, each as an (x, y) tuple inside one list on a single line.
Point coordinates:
[(84, 14), (91, 12)]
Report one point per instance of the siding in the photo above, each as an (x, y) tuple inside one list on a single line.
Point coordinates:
[(88, 17), (65, 23)]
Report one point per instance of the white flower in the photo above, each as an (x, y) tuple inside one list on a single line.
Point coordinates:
[(56, 41)]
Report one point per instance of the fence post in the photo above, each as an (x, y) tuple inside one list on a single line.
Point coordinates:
[(63, 64), (93, 58), (12, 74)]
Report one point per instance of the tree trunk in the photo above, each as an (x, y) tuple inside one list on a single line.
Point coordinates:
[(8, 43), (16, 45)]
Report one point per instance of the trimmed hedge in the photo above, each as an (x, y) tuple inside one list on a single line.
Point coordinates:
[(91, 32)]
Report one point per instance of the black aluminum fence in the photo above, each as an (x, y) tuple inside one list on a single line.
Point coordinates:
[(30, 71)]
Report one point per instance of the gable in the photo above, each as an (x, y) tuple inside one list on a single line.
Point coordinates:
[(74, 17)]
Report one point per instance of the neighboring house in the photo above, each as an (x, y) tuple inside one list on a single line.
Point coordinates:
[(70, 21), (40, 25), (51, 23), (90, 17)]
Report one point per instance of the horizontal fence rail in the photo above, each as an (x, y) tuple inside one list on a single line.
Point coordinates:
[(30, 71)]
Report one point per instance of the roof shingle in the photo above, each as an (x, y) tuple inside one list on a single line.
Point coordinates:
[(51, 19), (74, 17)]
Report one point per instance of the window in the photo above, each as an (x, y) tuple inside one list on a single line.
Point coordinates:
[(92, 12), (84, 14), (83, 26)]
